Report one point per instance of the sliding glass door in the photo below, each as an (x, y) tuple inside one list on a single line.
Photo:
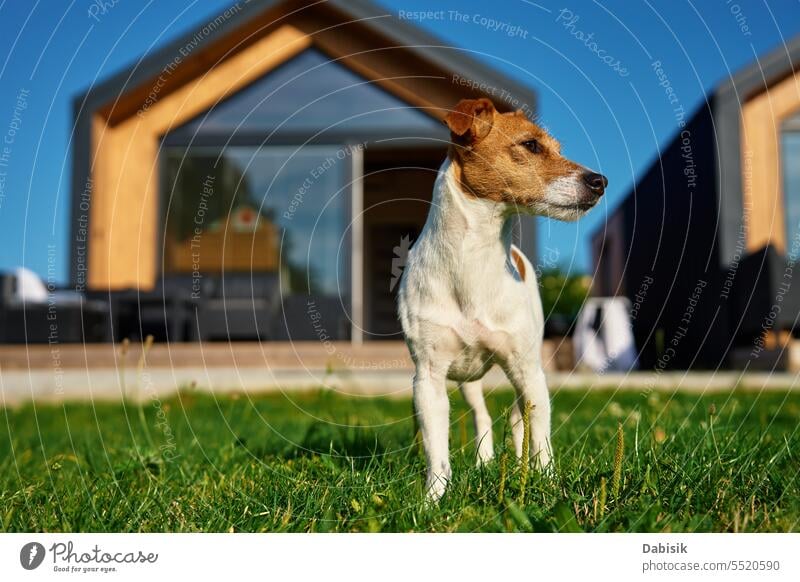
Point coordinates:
[(275, 208), (277, 213)]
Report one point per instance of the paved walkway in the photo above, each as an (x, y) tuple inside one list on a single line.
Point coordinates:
[(104, 372)]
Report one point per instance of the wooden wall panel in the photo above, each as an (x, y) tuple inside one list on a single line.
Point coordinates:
[(125, 219), (762, 178)]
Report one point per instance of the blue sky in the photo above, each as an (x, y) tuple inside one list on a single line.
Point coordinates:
[(611, 114)]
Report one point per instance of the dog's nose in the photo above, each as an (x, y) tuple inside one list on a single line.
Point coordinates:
[(596, 182)]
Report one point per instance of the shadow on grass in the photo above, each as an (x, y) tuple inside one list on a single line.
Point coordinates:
[(359, 446)]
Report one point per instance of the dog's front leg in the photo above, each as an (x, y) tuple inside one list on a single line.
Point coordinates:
[(433, 412), (531, 387), (473, 394)]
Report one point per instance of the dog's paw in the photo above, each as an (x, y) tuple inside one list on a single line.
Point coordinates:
[(485, 456), (544, 457), (543, 462), (435, 492), (435, 486)]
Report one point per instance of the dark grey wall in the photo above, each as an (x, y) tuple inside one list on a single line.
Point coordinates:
[(672, 275)]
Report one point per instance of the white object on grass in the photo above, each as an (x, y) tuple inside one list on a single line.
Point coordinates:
[(604, 337)]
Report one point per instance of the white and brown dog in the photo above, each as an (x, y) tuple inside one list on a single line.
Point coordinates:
[(469, 298)]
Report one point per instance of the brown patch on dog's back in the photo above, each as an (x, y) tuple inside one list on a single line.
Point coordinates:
[(519, 262)]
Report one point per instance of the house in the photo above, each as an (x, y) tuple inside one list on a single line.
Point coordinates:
[(263, 176), (706, 242)]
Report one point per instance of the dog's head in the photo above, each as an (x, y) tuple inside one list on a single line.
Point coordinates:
[(507, 158)]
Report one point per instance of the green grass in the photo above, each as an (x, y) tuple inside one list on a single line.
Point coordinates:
[(321, 462)]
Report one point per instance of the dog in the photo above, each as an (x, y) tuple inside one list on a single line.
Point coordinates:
[(468, 298)]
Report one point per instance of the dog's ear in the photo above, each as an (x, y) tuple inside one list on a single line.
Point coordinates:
[(471, 120)]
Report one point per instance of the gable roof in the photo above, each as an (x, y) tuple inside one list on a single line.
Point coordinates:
[(368, 15), (764, 72)]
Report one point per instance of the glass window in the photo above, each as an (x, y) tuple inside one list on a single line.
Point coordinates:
[(239, 204), (271, 209), (306, 95), (790, 162)]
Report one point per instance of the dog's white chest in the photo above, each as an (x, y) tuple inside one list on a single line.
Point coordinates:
[(471, 342)]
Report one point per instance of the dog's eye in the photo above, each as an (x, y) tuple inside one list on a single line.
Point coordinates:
[(533, 146)]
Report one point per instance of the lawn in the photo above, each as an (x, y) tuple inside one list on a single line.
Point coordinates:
[(323, 462)]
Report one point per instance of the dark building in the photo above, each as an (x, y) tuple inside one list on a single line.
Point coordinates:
[(705, 244)]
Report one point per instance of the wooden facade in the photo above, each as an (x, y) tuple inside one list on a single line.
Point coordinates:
[(762, 176)]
